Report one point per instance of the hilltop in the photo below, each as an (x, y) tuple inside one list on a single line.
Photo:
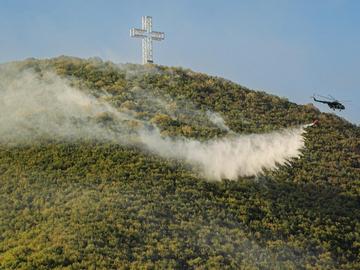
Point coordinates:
[(81, 202)]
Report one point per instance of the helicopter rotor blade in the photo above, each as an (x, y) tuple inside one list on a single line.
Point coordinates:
[(324, 97), (347, 101)]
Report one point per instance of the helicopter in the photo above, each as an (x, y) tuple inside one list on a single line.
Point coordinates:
[(331, 102)]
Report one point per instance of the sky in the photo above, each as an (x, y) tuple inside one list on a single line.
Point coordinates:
[(290, 48)]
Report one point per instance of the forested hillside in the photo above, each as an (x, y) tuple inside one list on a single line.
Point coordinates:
[(97, 204)]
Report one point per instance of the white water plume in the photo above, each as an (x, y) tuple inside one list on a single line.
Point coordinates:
[(35, 107), (241, 155)]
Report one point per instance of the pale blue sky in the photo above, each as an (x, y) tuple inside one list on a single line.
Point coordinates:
[(288, 48)]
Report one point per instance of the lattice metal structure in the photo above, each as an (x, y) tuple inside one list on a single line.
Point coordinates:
[(147, 36)]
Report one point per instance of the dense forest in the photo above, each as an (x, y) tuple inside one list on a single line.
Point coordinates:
[(94, 204)]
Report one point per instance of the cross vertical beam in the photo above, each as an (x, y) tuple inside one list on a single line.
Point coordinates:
[(147, 36)]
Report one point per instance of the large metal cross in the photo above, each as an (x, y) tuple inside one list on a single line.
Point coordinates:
[(147, 36)]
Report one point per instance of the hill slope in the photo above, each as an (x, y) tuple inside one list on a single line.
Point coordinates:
[(85, 203)]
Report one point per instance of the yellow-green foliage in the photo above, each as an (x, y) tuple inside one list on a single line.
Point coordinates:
[(92, 205)]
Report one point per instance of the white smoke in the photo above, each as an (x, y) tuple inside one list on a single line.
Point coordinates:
[(34, 107), (217, 120), (183, 110)]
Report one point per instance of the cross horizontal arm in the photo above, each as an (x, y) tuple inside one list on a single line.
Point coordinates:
[(135, 32), (157, 35)]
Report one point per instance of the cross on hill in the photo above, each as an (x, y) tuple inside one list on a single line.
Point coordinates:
[(147, 36)]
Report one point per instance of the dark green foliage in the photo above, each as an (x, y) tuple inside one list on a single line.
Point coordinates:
[(92, 205)]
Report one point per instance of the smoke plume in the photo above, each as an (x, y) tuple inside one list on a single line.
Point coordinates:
[(36, 106), (217, 120)]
